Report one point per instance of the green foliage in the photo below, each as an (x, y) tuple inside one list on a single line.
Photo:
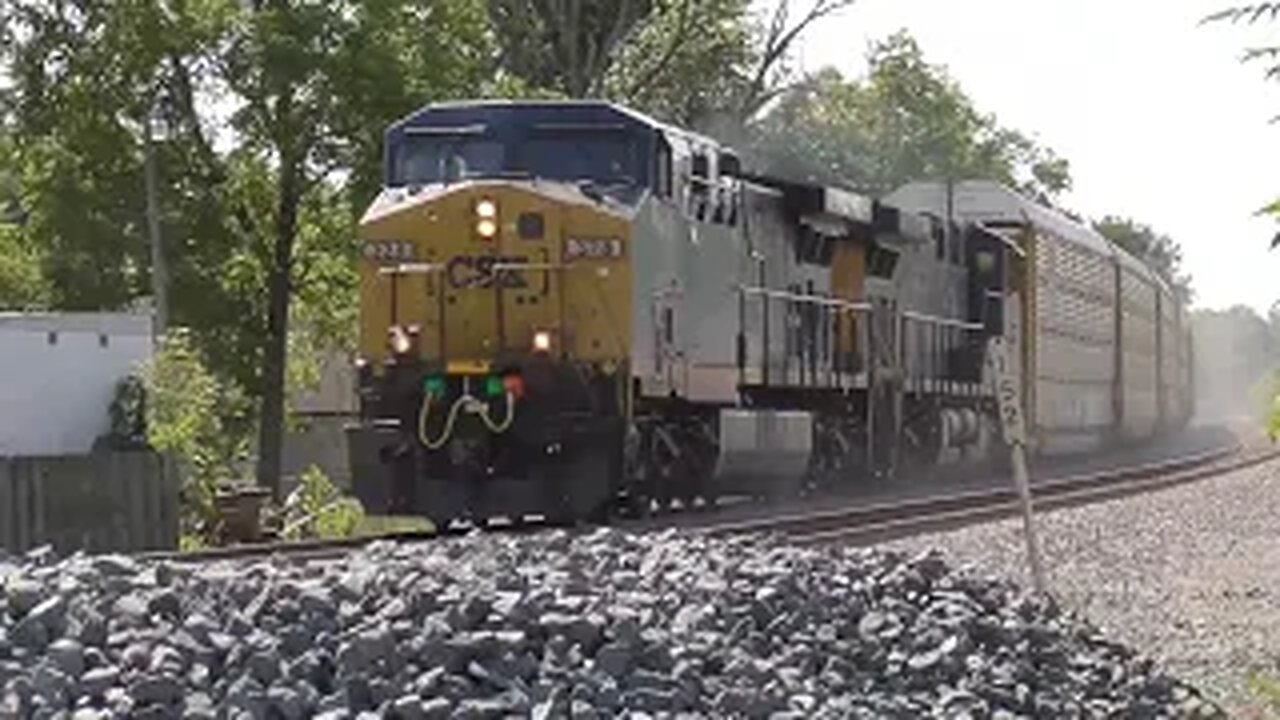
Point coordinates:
[(689, 62), (22, 282), (317, 508), (1237, 357), (251, 208), (1265, 688), (192, 542), (1273, 418), (1252, 14), (907, 120), (567, 46), (1265, 401), (192, 416), (1269, 55), (391, 524), (1159, 252), (706, 64), (1272, 209)]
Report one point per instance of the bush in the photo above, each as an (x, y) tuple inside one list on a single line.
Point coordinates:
[(1273, 422), (191, 415), (1264, 399), (1265, 689), (316, 508)]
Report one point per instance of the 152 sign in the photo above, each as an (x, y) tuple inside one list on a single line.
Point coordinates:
[(1008, 390)]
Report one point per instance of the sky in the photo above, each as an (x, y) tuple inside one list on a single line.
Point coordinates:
[(1155, 112)]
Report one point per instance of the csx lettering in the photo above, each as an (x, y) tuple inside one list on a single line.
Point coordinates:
[(479, 271)]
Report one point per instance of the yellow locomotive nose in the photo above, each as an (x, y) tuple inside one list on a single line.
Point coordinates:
[(493, 271)]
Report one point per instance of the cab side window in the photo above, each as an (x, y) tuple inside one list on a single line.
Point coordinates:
[(662, 184), (699, 185), (726, 206)]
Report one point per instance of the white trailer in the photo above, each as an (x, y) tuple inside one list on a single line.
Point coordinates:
[(58, 376)]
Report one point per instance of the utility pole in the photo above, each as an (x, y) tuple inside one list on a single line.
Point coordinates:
[(159, 273)]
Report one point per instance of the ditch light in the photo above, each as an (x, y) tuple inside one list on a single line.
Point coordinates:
[(542, 341)]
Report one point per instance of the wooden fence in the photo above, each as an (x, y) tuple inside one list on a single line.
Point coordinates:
[(103, 502)]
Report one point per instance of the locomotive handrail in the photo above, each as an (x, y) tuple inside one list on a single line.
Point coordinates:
[(427, 268), (530, 266), (798, 297), (946, 322), (411, 269)]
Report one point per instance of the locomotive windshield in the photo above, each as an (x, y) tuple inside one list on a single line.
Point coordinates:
[(433, 159), (607, 157)]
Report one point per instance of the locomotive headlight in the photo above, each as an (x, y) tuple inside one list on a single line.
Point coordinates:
[(399, 340), (487, 209), (542, 341), (487, 228)]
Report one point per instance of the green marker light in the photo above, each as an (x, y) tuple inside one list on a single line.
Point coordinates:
[(435, 385), (493, 387)]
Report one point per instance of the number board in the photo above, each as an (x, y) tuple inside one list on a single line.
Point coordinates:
[(389, 250), (1008, 390), (593, 248)]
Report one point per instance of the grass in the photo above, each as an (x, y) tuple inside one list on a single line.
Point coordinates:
[(384, 524)]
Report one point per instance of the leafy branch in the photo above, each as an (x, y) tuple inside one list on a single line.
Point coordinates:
[(1245, 13), (1252, 14)]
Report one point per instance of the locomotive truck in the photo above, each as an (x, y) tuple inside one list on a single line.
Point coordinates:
[(567, 307)]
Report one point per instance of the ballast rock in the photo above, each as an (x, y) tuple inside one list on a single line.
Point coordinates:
[(604, 625)]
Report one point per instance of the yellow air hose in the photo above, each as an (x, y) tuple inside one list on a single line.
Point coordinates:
[(499, 428)]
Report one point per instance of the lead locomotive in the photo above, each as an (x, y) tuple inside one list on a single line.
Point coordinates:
[(568, 305)]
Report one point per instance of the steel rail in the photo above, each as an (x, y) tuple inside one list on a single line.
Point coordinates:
[(293, 549), (890, 520), (850, 523), (851, 514)]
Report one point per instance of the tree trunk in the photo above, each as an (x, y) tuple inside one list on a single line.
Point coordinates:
[(271, 419)]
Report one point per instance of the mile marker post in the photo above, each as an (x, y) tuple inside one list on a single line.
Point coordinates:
[(1008, 390)]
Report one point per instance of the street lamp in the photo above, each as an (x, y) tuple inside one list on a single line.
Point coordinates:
[(152, 132)]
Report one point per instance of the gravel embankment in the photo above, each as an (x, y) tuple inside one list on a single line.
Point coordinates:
[(1188, 575), (550, 626)]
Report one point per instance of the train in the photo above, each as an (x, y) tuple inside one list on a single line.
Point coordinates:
[(569, 309)]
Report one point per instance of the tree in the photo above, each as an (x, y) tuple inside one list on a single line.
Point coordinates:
[(907, 120), (1251, 14), (1236, 356), (309, 102), (700, 63), (22, 285), (311, 87), (1159, 252), (22, 281), (687, 63), (1267, 54), (567, 45), (771, 77)]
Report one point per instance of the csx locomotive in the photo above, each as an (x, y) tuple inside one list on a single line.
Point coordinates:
[(568, 307)]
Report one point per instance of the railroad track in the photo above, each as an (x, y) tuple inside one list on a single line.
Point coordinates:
[(849, 522), (881, 522)]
